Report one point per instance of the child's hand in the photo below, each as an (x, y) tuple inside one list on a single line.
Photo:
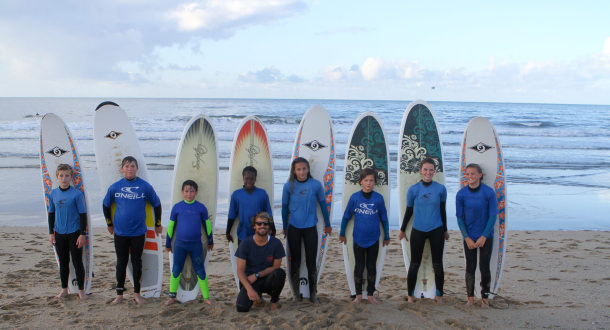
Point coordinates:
[(210, 247), (386, 242), (229, 238), (80, 241), (328, 230), (111, 230), (52, 239), (401, 235), (159, 230), (168, 249), (342, 239)]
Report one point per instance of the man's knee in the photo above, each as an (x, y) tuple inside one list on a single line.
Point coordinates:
[(242, 308)]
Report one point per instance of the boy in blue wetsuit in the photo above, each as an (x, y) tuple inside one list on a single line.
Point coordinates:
[(368, 209), (188, 218), (67, 216), (476, 209), (130, 195), (246, 203)]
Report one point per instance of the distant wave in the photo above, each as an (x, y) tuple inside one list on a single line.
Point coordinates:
[(531, 124)]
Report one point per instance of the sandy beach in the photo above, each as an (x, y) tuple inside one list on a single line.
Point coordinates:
[(552, 279)]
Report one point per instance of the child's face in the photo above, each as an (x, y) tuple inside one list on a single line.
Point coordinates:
[(368, 183), (249, 180), (301, 170), (64, 178), (189, 193), (129, 170)]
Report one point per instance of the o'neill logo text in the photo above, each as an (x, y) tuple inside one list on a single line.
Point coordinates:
[(365, 208), (129, 193)]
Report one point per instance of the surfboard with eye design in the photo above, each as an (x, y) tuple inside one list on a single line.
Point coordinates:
[(57, 146)]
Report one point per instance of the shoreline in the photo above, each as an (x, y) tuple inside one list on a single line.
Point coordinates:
[(551, 279)]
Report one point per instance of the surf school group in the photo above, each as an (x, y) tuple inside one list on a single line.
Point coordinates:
[(133, 210)]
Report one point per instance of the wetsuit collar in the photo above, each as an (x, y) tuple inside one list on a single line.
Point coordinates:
[(474, 189), (367, 195), (191, 202), (62, 189), (249, 191), (301, 181), (426, 184)]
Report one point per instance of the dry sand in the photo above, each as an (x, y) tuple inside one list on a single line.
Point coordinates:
[(551, 279)]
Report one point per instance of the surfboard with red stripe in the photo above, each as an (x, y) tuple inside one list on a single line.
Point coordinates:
[(115, 139), (250, 148)]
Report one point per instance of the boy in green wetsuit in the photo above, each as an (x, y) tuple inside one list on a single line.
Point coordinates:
[(186, 222)]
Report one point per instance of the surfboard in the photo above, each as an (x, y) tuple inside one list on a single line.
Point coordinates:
[(250, 148), (481, 145), (115, 139), (366, 148), (419, 138), (197, 160), (57, 147), (315, 142)]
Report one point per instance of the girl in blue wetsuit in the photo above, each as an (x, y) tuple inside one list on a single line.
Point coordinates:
[(368, 209), (186, 222), (476, 209), (426, 200), (299, 215), (67, 215)]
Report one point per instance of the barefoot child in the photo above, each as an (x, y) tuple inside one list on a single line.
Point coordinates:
[(128, 226), (188, 218), (67, 217), (368, 209)]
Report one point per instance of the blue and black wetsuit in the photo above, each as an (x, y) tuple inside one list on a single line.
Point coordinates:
[(476, 210), (427, 201), (67, 216)]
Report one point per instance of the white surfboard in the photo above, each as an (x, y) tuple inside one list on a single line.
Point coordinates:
[(197, 160), (250, 148), (481, 145), (315, 142), (419, 138), (57, 147), (115, 139), (366, 148)]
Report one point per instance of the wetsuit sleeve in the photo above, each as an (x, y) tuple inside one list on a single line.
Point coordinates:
[(462, 225), (207, 223), (170, 233), (322, 202), (490, 225), (107, 215), (285, 203), (384, 220), (83, 223), (158, 215), (51, 219), (229, 225), (444, 215), (347, 215), (407, 218)]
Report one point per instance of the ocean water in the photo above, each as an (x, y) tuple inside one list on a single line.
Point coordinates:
[(557, 156)]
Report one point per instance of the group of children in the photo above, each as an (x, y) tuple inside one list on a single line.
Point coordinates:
[(476, 212)]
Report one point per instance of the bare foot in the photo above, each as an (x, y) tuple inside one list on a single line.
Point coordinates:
[(62, 294), (82, 295), (207, 301), (484, 303), (470, 301), (438, 299), (118, 299), (169, 301), (358, 299), (410, 299), (273, 306), (137, 298), (372, 300)]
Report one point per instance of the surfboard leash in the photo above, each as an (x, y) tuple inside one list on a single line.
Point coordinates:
[(505, 302)]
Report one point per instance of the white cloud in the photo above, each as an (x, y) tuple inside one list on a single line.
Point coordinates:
[(269, 75), (231, 14), (90, 39), (606, 50), (376, 68)]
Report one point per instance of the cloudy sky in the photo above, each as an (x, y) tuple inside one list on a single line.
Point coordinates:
[(510, 51)]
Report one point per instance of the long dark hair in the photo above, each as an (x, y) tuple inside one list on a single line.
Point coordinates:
[(293, 176)]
